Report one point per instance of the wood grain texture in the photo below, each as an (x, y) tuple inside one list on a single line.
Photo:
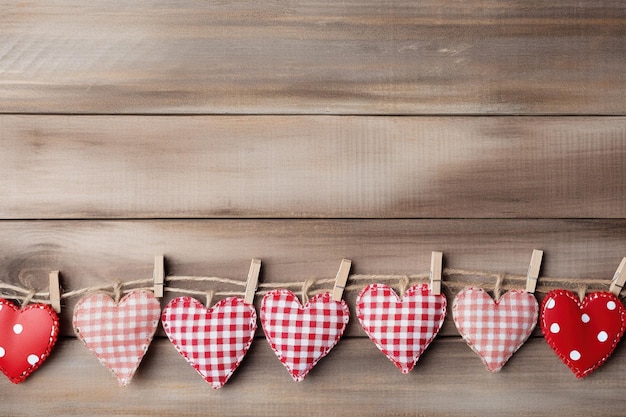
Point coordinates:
[(94, 253), (301, 133), (354, 379), (303, 166), (325, 57)]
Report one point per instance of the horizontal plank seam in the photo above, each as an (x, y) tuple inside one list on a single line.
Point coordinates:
[(190, 114), (314, 219)]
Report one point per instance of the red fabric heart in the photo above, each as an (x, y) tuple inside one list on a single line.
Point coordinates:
[(583, 334), (401, 329), (495, 330), (27, 336), (213, 341), (302, 335), (118, 334)]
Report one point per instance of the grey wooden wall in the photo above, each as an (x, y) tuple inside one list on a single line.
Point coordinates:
[(302, 132)]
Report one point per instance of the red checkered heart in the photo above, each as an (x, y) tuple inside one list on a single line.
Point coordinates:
[(302, 335), (213, 341), (495, 330), (118, 334), (27, 336), (402, 329), (583, 334)]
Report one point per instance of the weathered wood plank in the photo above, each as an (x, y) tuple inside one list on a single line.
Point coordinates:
[(303, 166), (94, 253), (355, 379), (348, 57)]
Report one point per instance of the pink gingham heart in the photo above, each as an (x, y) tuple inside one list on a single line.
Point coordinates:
[(495, 330), (302, 335), (213, 341), (401, 329), (118, 334)]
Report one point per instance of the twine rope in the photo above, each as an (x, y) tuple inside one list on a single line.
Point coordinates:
[(117, 291), (28, 297), (497, 289), (306, 285), (209, 297), (403, 284), (454, 279)]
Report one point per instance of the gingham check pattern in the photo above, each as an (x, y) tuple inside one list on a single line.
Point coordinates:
[(302, 335), (495, 330), (118, 334), (213, 341), (402, 329)]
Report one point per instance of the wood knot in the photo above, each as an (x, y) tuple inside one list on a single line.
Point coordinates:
[(34, 278)]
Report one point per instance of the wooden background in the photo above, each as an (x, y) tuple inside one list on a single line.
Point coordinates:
[(301, 132)]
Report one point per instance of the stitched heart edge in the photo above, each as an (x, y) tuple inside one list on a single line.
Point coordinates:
[(325, 297), (414, 289), (208, 311), (51, 341), (594, 295), (472, 346), (122, 381)]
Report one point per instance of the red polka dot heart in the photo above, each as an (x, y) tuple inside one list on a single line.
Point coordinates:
[(27, 336), (583, 334)]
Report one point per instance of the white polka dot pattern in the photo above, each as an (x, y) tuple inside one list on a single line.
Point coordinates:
[(495, 330), (27, 336), (588, 331)]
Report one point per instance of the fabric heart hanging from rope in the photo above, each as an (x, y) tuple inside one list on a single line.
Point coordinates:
[(401, 329), (582, 333), (119, 334), (302, 335), (495, 330), (214, 341), (27, 336)]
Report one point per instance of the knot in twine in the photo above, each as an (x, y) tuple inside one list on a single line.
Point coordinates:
[(305, 289), (117, 291), (497, 289), (28, 297), (209, 298), (403, 285)]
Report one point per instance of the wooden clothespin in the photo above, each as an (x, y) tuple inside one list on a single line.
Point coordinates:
[(341, 279), (619, 278), (252, 282), (55, 291), (436, 268), (158, 275), (533, 271)]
